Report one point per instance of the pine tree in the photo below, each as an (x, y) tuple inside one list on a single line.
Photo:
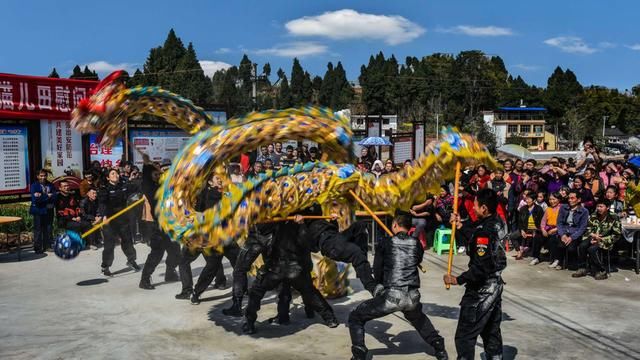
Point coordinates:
[(297, 84), (325, 94), (77, 73), (54, 74), (284, 95)]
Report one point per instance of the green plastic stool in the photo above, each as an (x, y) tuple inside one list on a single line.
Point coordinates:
[(441, 241)]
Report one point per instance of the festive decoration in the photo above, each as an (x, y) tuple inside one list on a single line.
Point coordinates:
[(68, 245)]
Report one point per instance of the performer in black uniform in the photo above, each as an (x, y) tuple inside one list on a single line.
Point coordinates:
[(112, 198), (259, 241), (290, 261), (396, 267), (207, 199), (158, 240), (481, 305), (349, 246)]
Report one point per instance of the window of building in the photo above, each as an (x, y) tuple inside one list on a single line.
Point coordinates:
[(537, 129), (512, 129), (525, 129), (385, 121)]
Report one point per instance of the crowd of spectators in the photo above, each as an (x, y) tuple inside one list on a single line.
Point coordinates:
[(564, 211)]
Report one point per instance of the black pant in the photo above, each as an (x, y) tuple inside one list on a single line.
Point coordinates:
[(553, 242), (210, 270), (298, 278), (589, 257), (160, 242), (537, 241), (43, 232), (350, 247), (388, 302), (562, 250), (247, 255), (480, 314), (117, 228)]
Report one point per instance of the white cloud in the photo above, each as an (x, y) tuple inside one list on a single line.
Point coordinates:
[(607, 45), (104, 68), (634, 47), (294, 49), (350, 24), (210, 67), (478, 30), (571, 44), (524, 67), (223, 51)]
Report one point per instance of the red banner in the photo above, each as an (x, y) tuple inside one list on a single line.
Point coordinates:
[(33, 97)]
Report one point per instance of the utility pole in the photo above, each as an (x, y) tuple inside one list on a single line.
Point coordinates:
[(437, 126), (604, 125), (254, 84)]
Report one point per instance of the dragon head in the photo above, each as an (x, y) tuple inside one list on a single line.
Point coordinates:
[(101, 112)]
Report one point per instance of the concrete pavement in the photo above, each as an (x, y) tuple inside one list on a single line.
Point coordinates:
[(55, 309)]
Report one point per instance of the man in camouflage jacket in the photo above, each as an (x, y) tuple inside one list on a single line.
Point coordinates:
[(603, 231)]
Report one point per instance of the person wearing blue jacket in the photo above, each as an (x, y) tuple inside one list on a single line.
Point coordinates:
[(572, 224), (43, 197)]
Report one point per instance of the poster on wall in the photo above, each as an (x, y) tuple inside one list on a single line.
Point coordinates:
[(419, 139), (61, 148), (14, 161), (161, 145), (107, 156), (402, 149)]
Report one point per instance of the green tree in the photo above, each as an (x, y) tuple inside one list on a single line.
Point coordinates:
[(54, 74), (284, 94), (297, 84), (77, 73)]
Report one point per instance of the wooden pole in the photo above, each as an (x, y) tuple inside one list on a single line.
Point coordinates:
[(377, 219), (99, 226), (456, 190), (373, 215), (308, 217)]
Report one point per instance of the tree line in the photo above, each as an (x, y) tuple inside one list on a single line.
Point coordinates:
[(456, 88)]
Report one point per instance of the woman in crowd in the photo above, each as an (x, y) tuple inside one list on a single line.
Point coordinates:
[(377, 169), (615, 206), (593, 183), (549, 228), (529, 219), (587, 196)]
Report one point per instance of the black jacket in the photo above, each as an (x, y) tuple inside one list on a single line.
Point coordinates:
[(487, 257), (113, 198), (208, 198), (523, 217), (89, 210), (396, 261)]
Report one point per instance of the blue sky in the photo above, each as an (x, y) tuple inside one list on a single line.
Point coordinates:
[(598, 40)]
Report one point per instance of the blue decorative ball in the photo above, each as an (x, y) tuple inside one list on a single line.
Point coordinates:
[(68, 245)]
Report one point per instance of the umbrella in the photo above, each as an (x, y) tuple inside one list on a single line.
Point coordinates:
[(375, 141), (516, 150), (635, 161)]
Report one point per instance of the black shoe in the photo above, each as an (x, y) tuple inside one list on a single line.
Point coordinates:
[(184, 295), (332, 322), (132, 263), (249, 327), (221, 285), (279, 320), (171, 276), (145, 283), (195, 299), (106, 272), (309, 313), (580, 273), (235, 309), (440, 352), (358, 352)]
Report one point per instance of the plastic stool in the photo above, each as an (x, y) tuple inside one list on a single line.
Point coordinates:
[(441, 241)]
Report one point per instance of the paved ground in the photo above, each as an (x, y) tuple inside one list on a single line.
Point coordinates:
[(54, 309)]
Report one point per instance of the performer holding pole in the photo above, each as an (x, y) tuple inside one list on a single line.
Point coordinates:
[(456, 191), (481, 305)]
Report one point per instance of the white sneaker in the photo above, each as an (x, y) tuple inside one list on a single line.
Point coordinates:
[(462, 250), (534, 262), (554, 263)]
